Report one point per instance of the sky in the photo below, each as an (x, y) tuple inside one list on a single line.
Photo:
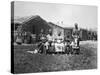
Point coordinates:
[(65, 15)]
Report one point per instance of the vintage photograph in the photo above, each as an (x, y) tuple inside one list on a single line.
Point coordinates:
[(47, 37)]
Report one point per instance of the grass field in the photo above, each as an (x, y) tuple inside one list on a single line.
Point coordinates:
[(27, 63)]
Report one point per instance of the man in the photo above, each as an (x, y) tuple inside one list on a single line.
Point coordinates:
[(19, 39), (76, 38), (49, 42), (75, 34), (49, 37), (41, 40)]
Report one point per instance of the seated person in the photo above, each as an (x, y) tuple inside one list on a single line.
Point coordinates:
[(41, 40), (59, 45)]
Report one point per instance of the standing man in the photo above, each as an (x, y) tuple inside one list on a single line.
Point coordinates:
[(75, 34), (76, 37)]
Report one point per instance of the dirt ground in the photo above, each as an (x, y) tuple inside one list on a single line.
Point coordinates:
[(25, 62)]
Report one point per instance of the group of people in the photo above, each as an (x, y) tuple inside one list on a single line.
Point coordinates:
[(45, 40), (22, 37), (47, 43)]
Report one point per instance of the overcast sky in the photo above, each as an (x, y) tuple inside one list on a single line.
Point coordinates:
[(85, 16)]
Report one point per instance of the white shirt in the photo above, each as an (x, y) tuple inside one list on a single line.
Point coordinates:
[(49, 37)]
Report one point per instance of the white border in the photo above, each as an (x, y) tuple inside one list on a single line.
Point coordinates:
[(5, 36)]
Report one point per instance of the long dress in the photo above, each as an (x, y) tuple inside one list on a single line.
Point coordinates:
[(59, 45)]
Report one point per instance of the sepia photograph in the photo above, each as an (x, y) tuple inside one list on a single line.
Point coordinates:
[(48, 37)]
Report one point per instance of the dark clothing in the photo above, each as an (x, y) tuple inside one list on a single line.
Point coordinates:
[(50, 43), (41, 40), (41, 37)]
